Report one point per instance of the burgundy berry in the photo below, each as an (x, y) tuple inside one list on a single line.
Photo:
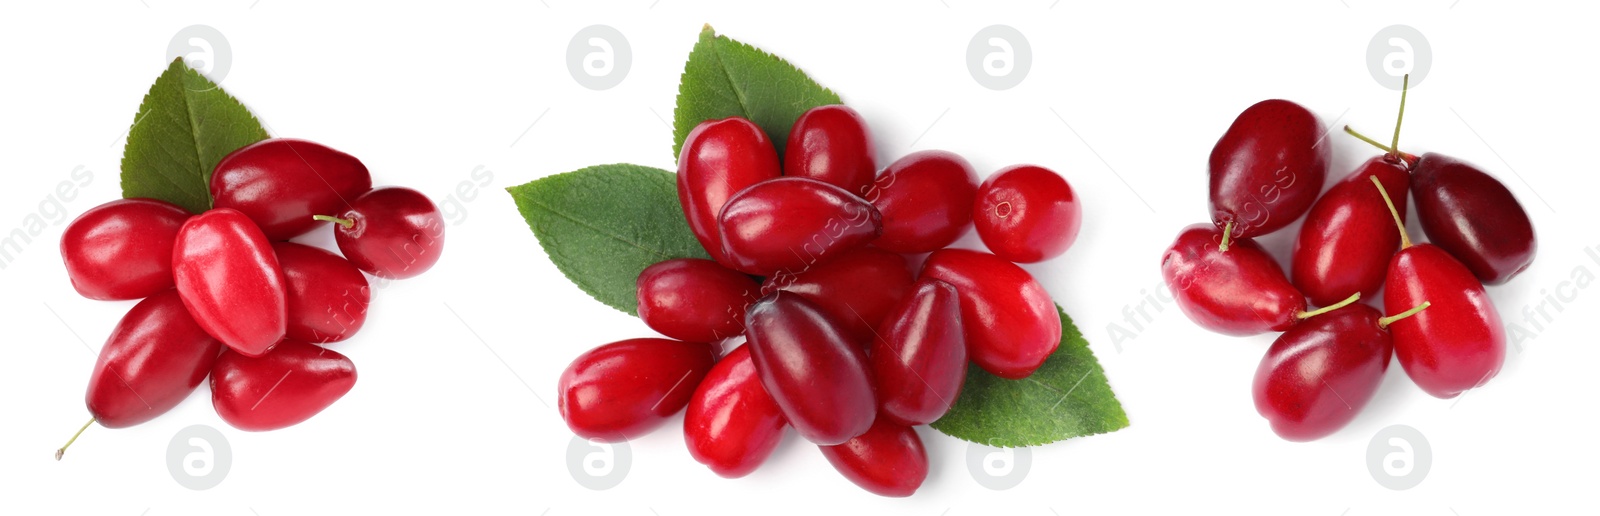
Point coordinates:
[(888, 460), (831, 144), (857, 289), (694, 300), (122, 249), (1232, 286), (1027, 214), (818, 377), (1319, 375), (327, 296), (390, 232), (624, 389), (721, 158), (790, 223), (283, 388), (1347, 239), (1474, 217), (926, 201), (919, 360), (1267, 169), (282, 182)]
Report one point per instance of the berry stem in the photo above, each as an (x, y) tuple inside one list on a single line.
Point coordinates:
[(1347, 301), (336, 220), (63, 449), (1405, 240), (1410, 159), (1394, 145), (1386, 321), (1227, 233)]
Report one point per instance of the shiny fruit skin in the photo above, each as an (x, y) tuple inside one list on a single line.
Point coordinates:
[(1474, 217), (1458, 342), (1347, 239), (283, 388), (624, 389), (694, 300), (281, 182), (790, 223), (122, 249), (327, 296), (721, 158), (1239, 292), (154, 358), (230, 280), (1027, 214), (919, 360), (857, 289), (732, 425), (831, 144), (1010, 323), (396, 233), (817, 376), (1318, 376), (888, 460), (926, 201), (1268, 168)]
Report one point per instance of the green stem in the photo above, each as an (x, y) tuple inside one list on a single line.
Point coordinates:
[(1405, 240), (1227, 233), (63, 449), (1410, 159), (1405, 84), (1386, 321), (1347, 301), (336, 220)]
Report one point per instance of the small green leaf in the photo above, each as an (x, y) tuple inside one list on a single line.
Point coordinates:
[(726, 78), (603, 225), (185, 125), (1066, 397)]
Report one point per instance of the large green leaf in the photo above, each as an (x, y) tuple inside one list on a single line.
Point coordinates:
[(185, 125), (726, 78)]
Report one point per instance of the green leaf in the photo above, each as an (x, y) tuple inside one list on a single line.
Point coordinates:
[(603, 225), (1066, 397), (726, 78), (185, 125)]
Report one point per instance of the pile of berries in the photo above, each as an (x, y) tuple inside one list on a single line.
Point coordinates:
[(226, 295), (1266, 172), (812, 266)]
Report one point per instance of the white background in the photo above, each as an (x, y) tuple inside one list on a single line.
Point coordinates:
[(458, 367)]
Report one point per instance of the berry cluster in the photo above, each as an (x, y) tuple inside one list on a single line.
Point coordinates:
[(226, 295), (812, 266), (1266, 172)]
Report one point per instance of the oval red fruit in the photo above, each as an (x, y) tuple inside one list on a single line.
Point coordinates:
[(282, 182), (1268, 168), (1458, 342), (857, 289), (1349, 236), (1474, 217), (283, 388), (1010, 323), (816, 375), (1241, 291), (230, 280), (624, 389), (926, 200), (831, 144), (919, 360), (327, 297), (154, 358), (888, 460), (122, 249), (790, 223), (720, 158), (732, 425), (1318, 376)]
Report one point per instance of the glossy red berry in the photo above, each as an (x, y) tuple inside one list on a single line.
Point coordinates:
[(1319, 375), (1268, 168), (122, 249), (282, 182), (1010, 323), (831, 144), (283, 388), (790, 223), (888, 460), (1474, 217), (391, 232), (857, 289), (1457, 343), (919, 360), (926, 200), (818, 377), (721, 158), (732, 425), (1348, 237), (695, 300), (1027, 214), (1238, 291), (154, 358), (327, 296), (230, 280), (624, 389)]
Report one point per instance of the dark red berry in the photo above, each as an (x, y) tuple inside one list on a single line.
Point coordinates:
[(327, 296), (888, 460), (791, 223), (919, 360), (281, 183), (1011, 325), (732, 425), (721, 158), (624, 389), (155, 357), (694, 300), (1268, 168), (1319, 375), (818, 377), (926, 201), (1027, 214), (857, 289), (230, 280), (1238, 290), (831, 144), (1348, 237), (1474, 217), (283, 388), (391, 232)]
